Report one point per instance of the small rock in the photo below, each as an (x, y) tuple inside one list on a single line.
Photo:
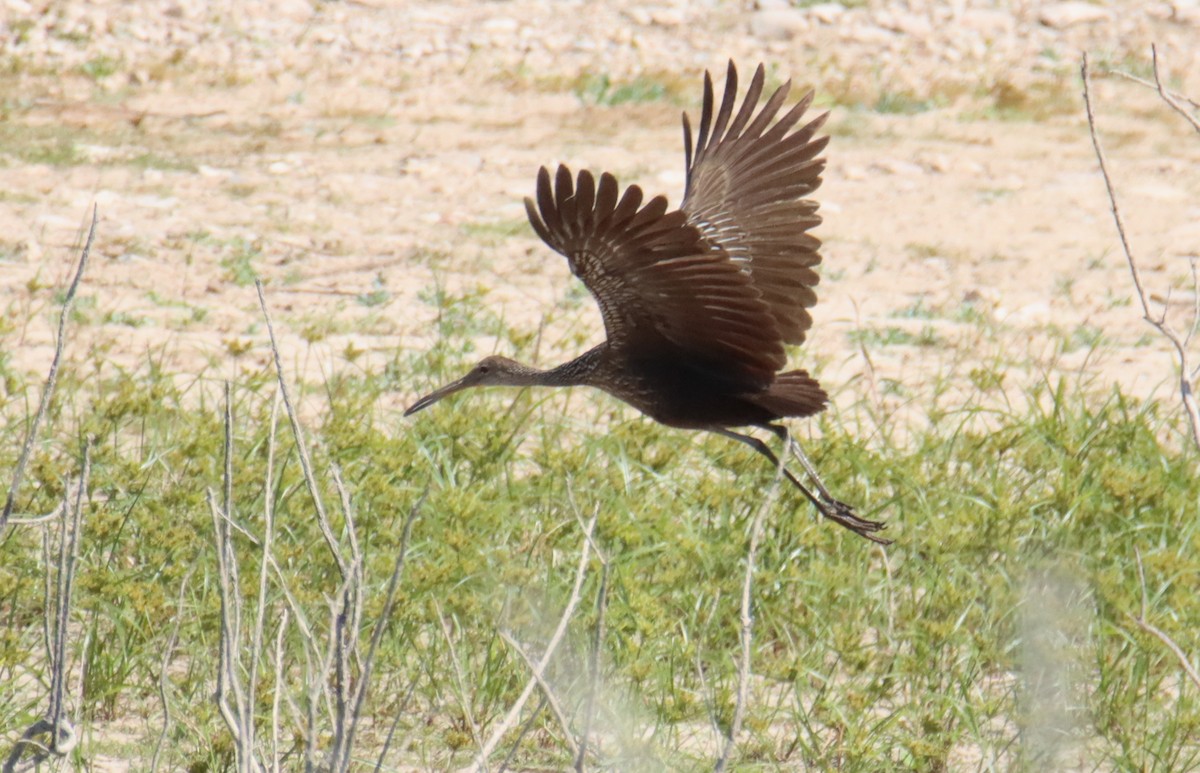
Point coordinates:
[(899, 168), (904, 22), (639, 16), (279, 167), (667, 17), (854, 172), (29, 250), (500, 24), (1060, 16), (826, 13), (781, 24), (987, 21), (1186, 12), (870, 34), (935, 162)]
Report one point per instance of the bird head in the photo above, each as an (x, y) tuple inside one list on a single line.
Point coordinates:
[(490, 371)]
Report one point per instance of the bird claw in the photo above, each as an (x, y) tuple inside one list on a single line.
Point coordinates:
[(843, 514)]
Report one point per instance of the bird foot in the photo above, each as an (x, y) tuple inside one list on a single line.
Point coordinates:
[(843, 514)]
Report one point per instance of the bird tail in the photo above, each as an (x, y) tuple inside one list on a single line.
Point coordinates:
[(794, 393)]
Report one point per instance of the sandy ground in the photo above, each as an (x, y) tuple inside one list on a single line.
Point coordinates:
[(355, 155)]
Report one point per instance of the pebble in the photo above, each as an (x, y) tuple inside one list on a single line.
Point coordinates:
[(1060, 16), (778, 23), (669, 17), (904, 22), (826, 13)]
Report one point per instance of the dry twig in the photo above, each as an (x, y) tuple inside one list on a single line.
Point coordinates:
[(1160, 634), (547, 693), (746, 633), (1179, 341), (510, 719), (589, 705), (51, 378), (62, 736)]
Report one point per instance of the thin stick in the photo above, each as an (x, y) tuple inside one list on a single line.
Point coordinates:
[(278, 692), (163, 677), (510, 719), (1158, 633), (51, 378), (1186, 391), (260, 604), (345, 639), (533, 715), (460, 680), (68, 557), (306, 466), (1142, 81), (35, 520), (746, 633), (1112, 194), (225, 645), (589, 705), (551, 700), (57, 605), (389, 601), (399, 712), (1171, 98)]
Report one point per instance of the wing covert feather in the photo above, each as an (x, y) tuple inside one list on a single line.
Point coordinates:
[(656, 279)]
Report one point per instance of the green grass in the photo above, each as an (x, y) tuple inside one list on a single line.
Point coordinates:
[(239, 259), (600, 89), (997, 628)]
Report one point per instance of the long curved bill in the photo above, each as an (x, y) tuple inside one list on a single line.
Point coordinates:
[(437, 394)]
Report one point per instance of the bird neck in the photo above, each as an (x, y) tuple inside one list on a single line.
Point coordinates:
[(577, 372)]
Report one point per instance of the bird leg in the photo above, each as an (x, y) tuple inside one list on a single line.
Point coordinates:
[(836, 511)]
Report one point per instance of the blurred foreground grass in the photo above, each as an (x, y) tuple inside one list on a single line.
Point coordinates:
[(994, 635)]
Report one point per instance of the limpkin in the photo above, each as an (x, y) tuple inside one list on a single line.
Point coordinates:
[(698, 302)]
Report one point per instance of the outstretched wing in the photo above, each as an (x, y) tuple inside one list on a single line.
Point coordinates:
[(746, 184), (657, 281)]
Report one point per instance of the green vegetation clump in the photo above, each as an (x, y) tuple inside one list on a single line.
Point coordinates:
[(1003, 609)]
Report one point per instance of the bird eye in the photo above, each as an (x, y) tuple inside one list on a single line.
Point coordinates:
[(484, 369)]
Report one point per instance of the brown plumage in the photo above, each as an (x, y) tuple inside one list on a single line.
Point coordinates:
[(698, 302)]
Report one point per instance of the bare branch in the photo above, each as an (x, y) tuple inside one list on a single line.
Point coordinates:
[(589, 706), (747, 618), (1161, 635), (551, 700), (1186, 389), (1112, 194), (385, 617), (525, 726), (306, 465), (56, 631), (67, 558), (397, 713), (163, 676), (1171, 98), (51, 378), (1153, 86), (510, 719)]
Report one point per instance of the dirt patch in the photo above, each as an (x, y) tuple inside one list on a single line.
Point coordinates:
[(356, 154)]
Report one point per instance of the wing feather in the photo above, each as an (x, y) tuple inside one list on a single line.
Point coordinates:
[(657, 280), (747, 179)]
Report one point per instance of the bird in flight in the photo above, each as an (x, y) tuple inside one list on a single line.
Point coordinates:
[(698, 302)]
